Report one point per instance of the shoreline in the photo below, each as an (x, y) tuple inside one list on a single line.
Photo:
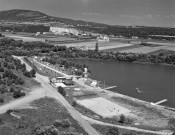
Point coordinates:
[(123, 96)]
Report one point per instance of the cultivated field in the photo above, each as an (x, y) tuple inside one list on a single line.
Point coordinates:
[(143, 49), (115, 44), (102, 45)]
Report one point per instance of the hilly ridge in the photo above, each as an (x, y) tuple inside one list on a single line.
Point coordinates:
[(20, 15)]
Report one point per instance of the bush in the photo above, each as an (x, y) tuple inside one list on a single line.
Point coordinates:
[(18, 94), (122, 119), (62, 123), (1, 69), (1, 122), (21, 125), (46, 130), (12, 89), (1, 100), (61, 91), (3, 89), (9, 111), (27, 74), (74, 103), (33, 72)]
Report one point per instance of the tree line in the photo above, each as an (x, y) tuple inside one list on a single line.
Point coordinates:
[(76, 69), (20, 48)]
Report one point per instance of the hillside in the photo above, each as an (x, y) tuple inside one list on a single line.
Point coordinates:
[(36, 16)]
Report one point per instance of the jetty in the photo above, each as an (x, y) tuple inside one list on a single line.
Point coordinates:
[(111, 87), (159, 102)]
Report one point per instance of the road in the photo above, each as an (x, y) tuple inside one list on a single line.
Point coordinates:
[(80, 82), (47, 89), (92, 121)]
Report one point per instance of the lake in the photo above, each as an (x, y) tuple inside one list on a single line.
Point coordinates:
[(156, 81)]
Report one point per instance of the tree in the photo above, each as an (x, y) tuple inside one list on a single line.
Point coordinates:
[(96, 47), (18, 94), (46, 130), (61, 91), (12, 89), (74, 103), (33, 72), (1, 100), (65, 123), (122, 119)]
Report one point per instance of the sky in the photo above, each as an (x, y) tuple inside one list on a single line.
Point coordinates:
[(115, 12)]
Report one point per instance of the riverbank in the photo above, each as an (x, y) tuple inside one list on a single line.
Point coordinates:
[(158, 121)]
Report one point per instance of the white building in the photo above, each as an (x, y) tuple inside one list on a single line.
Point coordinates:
[(64, 30), (103, 38)]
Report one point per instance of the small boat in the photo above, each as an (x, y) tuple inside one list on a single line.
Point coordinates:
[(139, 91)]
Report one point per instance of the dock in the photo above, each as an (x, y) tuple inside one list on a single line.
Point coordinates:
[(111, 87), (160, 102)]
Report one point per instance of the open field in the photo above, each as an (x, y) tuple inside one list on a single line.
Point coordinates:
[(162, 43), (143, 49), (30, 37), (148, 49), (123, 48), (163, 51), (25, 39), (103, 107)]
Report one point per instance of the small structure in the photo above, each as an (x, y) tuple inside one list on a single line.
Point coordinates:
[(134, 37), (38, 33), (60, 79), (68, 82), (103, 38), (59, 85)]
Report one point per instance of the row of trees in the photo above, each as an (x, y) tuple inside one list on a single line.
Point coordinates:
[(25, 28), (36, 48), (161, 58), (67, 64)]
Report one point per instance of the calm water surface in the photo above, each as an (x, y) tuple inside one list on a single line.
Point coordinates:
[(156, 81)]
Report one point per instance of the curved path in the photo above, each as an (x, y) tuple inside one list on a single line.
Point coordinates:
[(93, 121)]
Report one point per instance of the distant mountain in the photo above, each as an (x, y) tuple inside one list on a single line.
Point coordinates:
[(36, 16)]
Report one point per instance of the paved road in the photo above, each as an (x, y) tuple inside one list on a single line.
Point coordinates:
[(103, 123)]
